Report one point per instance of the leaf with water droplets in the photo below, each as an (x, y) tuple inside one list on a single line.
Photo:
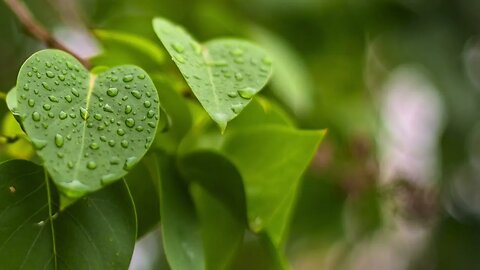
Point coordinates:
[(217, 69), (78, 122), (96, 232)]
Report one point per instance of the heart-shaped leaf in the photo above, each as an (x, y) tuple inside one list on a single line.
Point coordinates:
[(224, 74), (89, 129), (96, 232)]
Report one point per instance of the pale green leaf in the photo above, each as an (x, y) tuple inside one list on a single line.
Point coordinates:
[(89, 129), (271, 160), (291, 83), (224, 74), (121, 47), (96, 232)]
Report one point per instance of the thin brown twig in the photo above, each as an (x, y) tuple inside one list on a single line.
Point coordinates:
[(36, 30)]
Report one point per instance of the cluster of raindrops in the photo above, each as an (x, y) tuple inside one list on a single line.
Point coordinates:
[(102, 129)]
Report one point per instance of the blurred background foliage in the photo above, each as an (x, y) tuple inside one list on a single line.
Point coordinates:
[(395, 184)]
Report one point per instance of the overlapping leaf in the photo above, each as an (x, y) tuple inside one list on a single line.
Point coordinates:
[(96, 232), (88, 129), (224, 74)]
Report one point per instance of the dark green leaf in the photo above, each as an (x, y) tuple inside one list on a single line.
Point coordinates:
[(88, 129), (96, 232), (180, 226), (217, 191)]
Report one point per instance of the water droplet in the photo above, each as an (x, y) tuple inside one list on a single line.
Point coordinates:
[(130, 122), (47, 107), (84, 113), (70, 165), (151, 124), (53, 98), (141, 76), (68, 98), (115, 160), (51, 115), (120, 132), (31, 102), (239, 60), (48, 64), (107, 108), (108, 178), (179, 58), (124, 143), (178, 47), (26, 87), (150, 113), (73, 116), (128, 109), (75, 92), (103, 138), (61, 77), (50, 74), (139, 128), (112, 91), (59, 140), (147, 104), (46, 86), (36, 116), (237, 52), (111, 143), (130, 162), (30, 74), (62, 115), (232, 94), (124, 98), (238, 76), (267, 60), (98, 117), (91, 165), (136, 94), (44, 125), (247, 92), (60, 154), (237, 108), (39, 144), (94, 146), (128, 78)]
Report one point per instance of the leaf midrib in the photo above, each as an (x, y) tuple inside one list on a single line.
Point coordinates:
[(91, 84)]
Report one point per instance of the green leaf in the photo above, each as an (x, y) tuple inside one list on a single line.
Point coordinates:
[(142, 184), (224, 74), (89, 129), (21, 148), (271, 160), (96, 232), (217, 191), (180, 226), (179, 113), (12, 100), (120, 48)]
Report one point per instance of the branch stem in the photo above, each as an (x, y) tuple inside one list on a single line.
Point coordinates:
[(36, 30)]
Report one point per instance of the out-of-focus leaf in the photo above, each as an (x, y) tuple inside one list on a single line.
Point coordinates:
[(88, 129), (182, 238), (224, 74), (179, 113), (12, 99), (96, 232), (120, 48), (21, 148), (142, 183), (219, 198), (271, 160), (292, 82)]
